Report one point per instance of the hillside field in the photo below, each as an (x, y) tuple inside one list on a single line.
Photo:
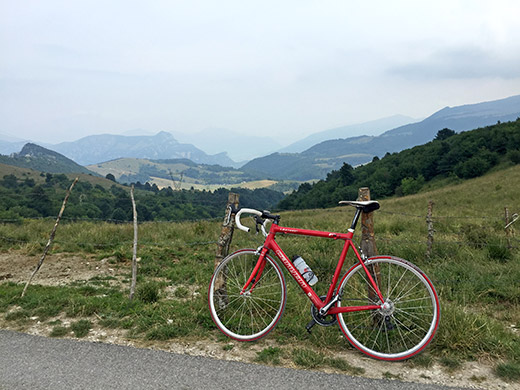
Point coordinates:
[(82, 289)]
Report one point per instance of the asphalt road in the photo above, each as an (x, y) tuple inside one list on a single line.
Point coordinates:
[(32, 362)]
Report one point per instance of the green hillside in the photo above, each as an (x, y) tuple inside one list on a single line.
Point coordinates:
[(316, 161), (40, 159), (475, 273), (25, 193), (176, 173), (448, 158)]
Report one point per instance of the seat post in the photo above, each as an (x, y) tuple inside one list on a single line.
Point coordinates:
[(356, 218)]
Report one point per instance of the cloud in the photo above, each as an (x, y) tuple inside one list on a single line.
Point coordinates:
[(460, 63)]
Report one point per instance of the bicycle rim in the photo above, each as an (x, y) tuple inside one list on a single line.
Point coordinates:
[(409, 318), (251, 315)]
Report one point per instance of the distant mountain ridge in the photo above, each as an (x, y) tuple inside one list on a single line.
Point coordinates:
[(104, 147), (370, 128), (41, 159), (317, 161)]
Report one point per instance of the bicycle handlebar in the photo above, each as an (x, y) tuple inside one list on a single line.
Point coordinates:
[(254, 212)]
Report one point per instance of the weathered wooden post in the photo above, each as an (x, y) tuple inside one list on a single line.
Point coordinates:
[(228, 227), (224, 242), (368, 242), (431, 230), (51, 238), (134, 256)]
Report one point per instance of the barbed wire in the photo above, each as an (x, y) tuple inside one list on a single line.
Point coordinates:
[(121, 221), (379, 238), (255, 240), (109, 220), (441, 216)]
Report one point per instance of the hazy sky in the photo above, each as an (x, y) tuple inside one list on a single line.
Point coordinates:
[(279, 68)]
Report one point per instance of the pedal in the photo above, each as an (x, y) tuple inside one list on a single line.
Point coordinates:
[(310, 325)]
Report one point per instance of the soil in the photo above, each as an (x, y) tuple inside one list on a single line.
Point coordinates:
[(63, 269)]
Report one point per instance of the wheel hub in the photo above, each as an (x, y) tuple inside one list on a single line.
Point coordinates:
[(387, 308)]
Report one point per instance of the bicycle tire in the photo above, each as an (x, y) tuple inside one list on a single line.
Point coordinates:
[(250, 316), (405, 325)]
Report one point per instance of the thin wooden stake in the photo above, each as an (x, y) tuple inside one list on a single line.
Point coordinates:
[(134, 256), (51, 238), (431, 230)]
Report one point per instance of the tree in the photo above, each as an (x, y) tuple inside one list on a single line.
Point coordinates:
[(39, 201), (111, 177), (444, 134), (346, 174)]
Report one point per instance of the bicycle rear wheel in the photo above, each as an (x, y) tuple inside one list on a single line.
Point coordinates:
[(249, 315), (409, 315)]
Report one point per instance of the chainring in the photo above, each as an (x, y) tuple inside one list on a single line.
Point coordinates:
[(327, 320)]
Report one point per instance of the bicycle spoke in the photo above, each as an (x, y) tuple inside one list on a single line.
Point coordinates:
[(399, 328), (250, 314)]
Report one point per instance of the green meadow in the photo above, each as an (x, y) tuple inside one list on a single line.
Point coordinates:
[(474, 265)]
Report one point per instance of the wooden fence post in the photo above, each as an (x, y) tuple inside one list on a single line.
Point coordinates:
[(228, 226), (51, 238), (224, 242), (431, 230), (368, 242), (134, 256)]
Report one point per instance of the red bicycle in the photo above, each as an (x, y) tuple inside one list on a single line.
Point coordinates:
[(385, 306)]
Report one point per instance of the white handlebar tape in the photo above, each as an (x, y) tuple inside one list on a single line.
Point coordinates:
[(247, 211)]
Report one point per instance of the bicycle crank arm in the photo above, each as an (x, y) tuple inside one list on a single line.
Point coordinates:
[(324, 310)]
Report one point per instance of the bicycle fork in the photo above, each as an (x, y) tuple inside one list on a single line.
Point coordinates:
[(257, 272)]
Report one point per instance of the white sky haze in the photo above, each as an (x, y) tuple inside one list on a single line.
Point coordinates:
[(283, 69)]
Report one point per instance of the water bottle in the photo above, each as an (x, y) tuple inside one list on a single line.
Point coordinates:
[(305, 270)]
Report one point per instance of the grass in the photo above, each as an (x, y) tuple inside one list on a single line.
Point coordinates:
[(509, 371), (307, 358), (81, 328), (270, 355), (475, 274)]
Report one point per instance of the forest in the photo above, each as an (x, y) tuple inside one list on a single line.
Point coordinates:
[(28, 198)]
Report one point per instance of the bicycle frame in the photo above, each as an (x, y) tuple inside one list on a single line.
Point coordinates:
[(271, 244)]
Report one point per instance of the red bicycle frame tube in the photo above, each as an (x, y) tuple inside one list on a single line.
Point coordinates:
[(271, 244)]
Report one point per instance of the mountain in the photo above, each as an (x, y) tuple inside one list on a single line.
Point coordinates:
[(98, 148), (238, 146), (450, 157), (375, 127), (317, 161), (38, 158)]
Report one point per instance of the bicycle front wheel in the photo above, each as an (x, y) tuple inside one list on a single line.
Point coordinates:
[(408, 317), (251, 314)]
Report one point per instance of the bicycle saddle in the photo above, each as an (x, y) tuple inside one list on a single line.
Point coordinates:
[(367, 206)]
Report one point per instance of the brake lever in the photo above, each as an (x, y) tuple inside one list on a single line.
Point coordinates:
[(259, 221)]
